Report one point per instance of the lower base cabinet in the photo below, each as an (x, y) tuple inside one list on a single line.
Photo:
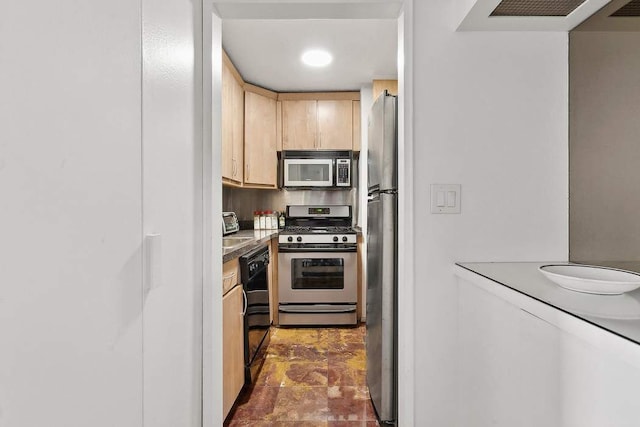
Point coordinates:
[(516, 369), (233, 347)]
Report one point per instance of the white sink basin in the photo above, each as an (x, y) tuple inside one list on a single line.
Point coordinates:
[(591, 279), (230, 242)]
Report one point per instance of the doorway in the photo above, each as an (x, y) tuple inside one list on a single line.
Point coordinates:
[(222, 11)]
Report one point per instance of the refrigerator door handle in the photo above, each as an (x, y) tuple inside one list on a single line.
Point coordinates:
[(373, 197)]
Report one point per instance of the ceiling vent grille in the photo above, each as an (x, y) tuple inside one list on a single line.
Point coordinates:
[(536, 7), (630, 9)]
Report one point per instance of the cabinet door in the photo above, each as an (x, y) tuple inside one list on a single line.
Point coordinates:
[(356, 125), (238, 130), (335, 125), (232, 347), (227, 122), (232, 124), (261, 160), (299, 125)]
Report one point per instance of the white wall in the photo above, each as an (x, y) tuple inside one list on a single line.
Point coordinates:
[(489, 113), (172, 207), (604, 150), (70, 214), (212, 369)]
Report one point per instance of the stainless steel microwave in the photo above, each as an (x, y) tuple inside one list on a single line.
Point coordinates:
[(316, 169)]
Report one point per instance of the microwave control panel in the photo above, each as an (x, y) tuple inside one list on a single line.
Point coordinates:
[(343, 173)]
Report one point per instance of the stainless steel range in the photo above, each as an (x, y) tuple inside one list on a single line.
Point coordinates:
[(317, 266)]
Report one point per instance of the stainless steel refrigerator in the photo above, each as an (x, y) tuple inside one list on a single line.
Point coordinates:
[(382, 277)]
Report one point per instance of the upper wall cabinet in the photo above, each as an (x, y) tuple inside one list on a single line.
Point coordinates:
[(260, 152), (319, 121), (232, 123), (380, 86), (257, 123), (299, 125), (356, 125), (335, 125)]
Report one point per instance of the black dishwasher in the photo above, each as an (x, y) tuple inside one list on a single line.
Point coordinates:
[(257, 320)]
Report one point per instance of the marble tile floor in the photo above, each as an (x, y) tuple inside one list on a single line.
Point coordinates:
[(311, 377)]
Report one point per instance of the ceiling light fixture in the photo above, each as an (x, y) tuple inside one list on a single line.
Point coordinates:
[(317, 58)]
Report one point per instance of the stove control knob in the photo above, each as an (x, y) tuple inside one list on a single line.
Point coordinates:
[(335, 238), (289, 239), (344, 238), (299, 239)]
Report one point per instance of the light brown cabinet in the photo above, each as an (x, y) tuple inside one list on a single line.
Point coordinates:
[(232, 123), (257, 123), (260, 151), (232, 336), (335, 125), (325, 123), (356, 125), (299, 125), (380, 86)]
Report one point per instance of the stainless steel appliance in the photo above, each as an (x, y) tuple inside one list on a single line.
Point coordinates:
[(317, 266), (229, 223), (257, 321), (382, 282), (313, 169)]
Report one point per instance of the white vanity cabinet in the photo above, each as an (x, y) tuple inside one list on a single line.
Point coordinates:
[(525, 363)]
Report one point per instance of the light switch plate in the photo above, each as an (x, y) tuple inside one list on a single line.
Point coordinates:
[(445, 198)]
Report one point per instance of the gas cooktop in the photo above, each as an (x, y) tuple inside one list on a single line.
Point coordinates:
[(298, 229), (318, 224)]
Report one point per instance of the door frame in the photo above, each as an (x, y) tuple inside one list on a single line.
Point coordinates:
[(212, 370)]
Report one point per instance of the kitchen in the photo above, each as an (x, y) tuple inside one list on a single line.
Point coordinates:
[(316, 182), (115, 86), (462, 341)]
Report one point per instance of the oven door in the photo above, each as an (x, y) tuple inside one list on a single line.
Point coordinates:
[(317, 276), (308, 172)]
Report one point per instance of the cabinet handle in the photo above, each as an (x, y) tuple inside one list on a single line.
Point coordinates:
[(247, 172), (245, 302), (233, 167)]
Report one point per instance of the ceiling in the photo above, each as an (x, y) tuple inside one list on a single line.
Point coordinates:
[(265, 40), (267, 52)]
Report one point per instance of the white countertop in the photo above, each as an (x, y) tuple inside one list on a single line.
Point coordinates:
[(618, 314)]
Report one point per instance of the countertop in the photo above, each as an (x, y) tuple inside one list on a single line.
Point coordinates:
[(618, 314), (259, 237)]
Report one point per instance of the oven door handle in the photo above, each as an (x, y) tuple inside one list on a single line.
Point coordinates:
[(245, 302), (284, 249), (337, 310)]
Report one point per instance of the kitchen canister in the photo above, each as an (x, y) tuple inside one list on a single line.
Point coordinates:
[(263, 220)]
